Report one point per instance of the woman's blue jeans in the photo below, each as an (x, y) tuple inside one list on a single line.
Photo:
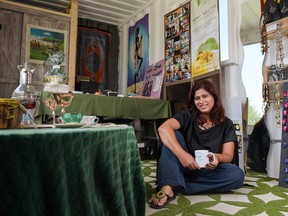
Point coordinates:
[(223, 178)]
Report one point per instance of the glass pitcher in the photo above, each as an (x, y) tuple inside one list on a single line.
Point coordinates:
[(26, 93)]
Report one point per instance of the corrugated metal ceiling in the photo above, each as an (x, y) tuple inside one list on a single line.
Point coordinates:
[(117, 12), (113, 12)]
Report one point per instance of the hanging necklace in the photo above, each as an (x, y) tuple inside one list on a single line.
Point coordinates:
[(279, 49), (266, 98), (277, 105)]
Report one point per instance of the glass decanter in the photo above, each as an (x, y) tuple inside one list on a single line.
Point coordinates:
[(26, 93)]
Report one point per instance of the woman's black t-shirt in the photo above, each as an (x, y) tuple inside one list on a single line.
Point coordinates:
[(210, 139)]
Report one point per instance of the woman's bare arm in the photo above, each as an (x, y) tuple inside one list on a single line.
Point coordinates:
[(227, 153)]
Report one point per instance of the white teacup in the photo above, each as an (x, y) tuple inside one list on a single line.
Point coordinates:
[(89, 120), (202, 158)]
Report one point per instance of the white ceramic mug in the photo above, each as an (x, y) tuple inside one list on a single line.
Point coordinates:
[(89, 120), (202, 158)]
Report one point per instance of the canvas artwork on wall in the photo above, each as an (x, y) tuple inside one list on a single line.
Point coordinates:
[(138, 54), (40, 41), (93, 54)]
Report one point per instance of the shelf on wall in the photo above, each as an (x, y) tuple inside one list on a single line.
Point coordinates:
[(206, 75), (178, 82)]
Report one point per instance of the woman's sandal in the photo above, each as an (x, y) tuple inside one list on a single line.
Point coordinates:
[(161, 194)]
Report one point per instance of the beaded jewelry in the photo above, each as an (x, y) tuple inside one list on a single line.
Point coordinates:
[(265, 95), (277, 105), (206, 126), (279, 49), (264, 41)]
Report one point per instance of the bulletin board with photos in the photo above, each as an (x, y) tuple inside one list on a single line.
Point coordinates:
[(177, 44)]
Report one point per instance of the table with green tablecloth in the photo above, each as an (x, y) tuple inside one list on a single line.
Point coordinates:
[(71, 172), (113, 106)]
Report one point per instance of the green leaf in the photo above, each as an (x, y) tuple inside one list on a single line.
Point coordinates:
[(203, 47), (212, 43)]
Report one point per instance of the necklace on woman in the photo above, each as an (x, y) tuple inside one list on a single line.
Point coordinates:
[(206, 126)]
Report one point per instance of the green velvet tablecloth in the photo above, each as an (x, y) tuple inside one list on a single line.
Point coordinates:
[(70, 172), (112, 106)]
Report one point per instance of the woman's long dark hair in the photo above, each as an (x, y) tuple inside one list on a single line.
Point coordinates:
[(217, 114)]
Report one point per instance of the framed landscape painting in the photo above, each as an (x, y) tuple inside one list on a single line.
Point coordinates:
[(40, 41)]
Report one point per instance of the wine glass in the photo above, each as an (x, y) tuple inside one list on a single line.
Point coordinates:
[(52, 105), (30, 104), (63, 100)]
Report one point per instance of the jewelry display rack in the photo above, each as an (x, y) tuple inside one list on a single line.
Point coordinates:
[(277, 91)]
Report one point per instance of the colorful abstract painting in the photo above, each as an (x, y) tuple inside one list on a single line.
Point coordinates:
[(138, 54)]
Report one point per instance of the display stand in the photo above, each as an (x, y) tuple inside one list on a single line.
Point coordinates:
[(275, 88)]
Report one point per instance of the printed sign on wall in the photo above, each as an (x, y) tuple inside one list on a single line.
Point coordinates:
[(205, 37)]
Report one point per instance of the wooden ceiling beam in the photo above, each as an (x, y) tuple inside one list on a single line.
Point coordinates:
[(33, 10), (73, 44)]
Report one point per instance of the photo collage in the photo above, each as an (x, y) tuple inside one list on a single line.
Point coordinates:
[(177, 44)]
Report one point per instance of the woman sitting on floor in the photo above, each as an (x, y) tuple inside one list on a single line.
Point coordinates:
[(201, 126)]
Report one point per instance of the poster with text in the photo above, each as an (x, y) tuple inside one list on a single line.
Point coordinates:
[(205, 36), (153, 80), (138, 54)]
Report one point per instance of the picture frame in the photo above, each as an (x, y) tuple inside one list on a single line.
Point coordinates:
[(40, 41)]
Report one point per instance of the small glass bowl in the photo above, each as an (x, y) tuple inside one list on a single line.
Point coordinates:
[(72, 118)]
